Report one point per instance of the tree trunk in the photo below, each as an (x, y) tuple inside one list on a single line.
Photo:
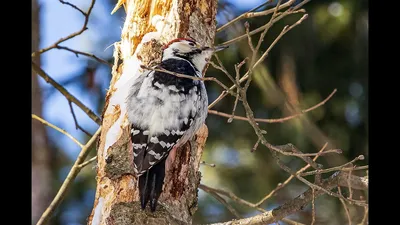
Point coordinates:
[(41, 173), (148, 24)]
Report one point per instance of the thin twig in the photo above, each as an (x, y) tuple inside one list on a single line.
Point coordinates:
[(68, 180), (241, 17), (306, 159), (68, 95), (251, 13), (249, 112), (349, 184), (221, 67), (281, 185), (77, 126), (336, 168), (73, 6), (365, 218), (207, 164), (222, 200), (288, 170), (255, 31), (84, 27), (77, 53), (345, 207), (255, 145), (192, 77), (249, 41), (231, 196), (286, 29), (290, 206), (313, 207), (87, 162), (259, 61), (269, 11), (57, 129), (237, 77), (279, 120), (255, 50)]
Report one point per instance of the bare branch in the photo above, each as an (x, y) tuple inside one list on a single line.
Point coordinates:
[(221, 67), (313, 206), (355, 182), (279, 120), (255, 31), (281, 185), (231, 196), (68, 181), (240, 17), (365, 218), (77, 53), (345, 207), (284, 31), (73, 6), (269, 11), (87, 162), (290, 147), (251, 13), (249, 41), (255, 50), (68, 95), (77, 126), (336, 168), (84, 27), (57, 129), (256, 145), (192, 78), (349, 184), (237, 77), (207, 164), (289, 207), (327, 191), (220, 199)]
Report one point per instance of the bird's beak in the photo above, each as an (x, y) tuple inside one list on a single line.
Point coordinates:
[(219, 48), (214, 49)]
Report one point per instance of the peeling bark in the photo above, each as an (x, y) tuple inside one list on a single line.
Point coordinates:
[(149, 24)]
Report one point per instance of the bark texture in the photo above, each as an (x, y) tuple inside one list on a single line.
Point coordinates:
[(41, 172), (117, 200)]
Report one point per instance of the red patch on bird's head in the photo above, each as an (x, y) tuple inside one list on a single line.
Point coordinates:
[(177, 40)]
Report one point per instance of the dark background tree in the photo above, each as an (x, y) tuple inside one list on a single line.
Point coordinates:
[(42, 176)]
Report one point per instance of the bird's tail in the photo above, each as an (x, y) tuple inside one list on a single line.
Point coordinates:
[(150, 185)]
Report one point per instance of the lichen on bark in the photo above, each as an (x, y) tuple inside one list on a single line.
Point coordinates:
[(118, 160), (130, 213)]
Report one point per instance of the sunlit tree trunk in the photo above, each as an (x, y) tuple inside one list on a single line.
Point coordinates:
[(41, 173), (148, 24)]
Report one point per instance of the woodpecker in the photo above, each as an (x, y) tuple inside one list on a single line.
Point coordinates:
[(165, 111)]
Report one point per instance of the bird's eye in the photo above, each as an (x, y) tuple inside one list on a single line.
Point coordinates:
[(191, 43)]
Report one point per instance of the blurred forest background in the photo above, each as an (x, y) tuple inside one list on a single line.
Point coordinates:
[(328, 50)]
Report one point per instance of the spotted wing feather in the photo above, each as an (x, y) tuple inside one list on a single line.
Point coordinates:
[(139, 139), (159, 146)]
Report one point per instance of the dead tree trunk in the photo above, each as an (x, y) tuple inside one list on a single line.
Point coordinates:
[(41, 171), (148, 24)]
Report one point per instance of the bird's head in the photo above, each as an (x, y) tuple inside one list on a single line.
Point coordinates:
[(190, 50)]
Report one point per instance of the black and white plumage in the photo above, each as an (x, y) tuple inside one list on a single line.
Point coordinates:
[(165, 111)]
